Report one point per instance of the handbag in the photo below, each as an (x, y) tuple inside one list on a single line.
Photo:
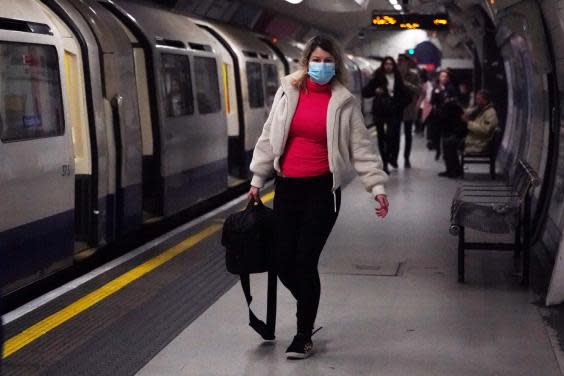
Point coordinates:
[(248, 240)]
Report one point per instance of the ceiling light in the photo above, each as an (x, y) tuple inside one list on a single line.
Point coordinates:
[(294, 1), (397, 7), (394, 2)]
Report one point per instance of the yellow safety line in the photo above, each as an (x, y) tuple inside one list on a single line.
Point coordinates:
[(51, 322), (267, 197)]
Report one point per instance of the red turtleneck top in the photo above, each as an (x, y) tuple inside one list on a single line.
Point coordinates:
[(306, 149)]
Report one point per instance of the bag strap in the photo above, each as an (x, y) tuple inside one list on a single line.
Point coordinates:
[(266, 331)]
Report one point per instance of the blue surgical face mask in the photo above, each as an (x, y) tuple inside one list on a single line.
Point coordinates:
[(321, 73)]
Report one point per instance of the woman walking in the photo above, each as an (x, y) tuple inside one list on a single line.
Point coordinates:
[(390, 99), (314, 129)]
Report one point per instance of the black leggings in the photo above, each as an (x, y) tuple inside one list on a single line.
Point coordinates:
[(388, 139), (408, 131), (306, 210)]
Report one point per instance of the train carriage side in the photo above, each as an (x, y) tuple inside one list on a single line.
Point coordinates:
[(287, 51), (256, 84), (354, 78), (37, 165), (120, 109), (229, 85), (191, 121), (367, 68), (90, 136)]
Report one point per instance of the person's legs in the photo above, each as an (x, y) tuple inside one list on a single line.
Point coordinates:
[(450, 151), (394, 131), (287, 210), (316, 224), (382, 142), (408, 131)]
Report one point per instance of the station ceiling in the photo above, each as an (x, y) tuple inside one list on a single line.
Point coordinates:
[(341, 17)]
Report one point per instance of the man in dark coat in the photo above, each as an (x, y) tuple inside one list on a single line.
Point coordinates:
[(390, 99)]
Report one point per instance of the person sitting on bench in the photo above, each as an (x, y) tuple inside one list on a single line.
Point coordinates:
[(481, 122)]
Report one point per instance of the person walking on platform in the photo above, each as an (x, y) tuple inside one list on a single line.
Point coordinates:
[(444, 95), (412, 83), (390, 99), (425, 106), (314, 130)]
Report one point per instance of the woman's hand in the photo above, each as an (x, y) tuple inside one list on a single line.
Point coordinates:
[(379, 90), (382, 211), (254, 193)]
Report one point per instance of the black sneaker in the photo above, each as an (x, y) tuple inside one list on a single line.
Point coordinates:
[(301, 347)]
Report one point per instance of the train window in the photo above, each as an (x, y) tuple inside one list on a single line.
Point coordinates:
[(254, 84), (177, 85), (207, 85), (31, 103), (270, 82)]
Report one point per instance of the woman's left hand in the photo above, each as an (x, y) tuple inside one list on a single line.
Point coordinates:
[(382, 211)]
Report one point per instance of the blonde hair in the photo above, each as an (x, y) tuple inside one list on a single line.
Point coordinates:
[(329, 45)]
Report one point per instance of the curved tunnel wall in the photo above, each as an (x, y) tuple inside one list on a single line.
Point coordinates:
[(523, 34)]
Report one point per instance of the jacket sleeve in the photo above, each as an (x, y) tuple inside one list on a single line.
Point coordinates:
[(485, 124), (262, 163), (365, 160)]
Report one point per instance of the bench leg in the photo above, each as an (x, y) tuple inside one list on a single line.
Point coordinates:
[(492, 168), (461, 245)]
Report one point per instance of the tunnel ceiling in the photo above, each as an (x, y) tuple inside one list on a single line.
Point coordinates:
[(327, 15), (342, 18)]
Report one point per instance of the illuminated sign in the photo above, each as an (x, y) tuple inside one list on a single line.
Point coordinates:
[(384, 20), (399, 21)]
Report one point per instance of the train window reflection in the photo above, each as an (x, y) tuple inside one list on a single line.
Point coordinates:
[(207, 85), (270, 82), (177, 85), (31, 104), (254, 82)]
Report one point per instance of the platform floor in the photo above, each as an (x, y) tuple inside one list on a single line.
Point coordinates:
[(390, 302)]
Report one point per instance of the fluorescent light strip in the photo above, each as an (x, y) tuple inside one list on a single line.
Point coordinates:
[(397, 7), (294, 1)]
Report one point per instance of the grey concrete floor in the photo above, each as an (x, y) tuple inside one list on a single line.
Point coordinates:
[(418, 321)]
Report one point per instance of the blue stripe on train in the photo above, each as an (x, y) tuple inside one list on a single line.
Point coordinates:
[(28, 252), (198, 184)]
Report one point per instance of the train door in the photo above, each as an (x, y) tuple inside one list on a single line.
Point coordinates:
[(36, 154), (254, 105), (79, 127), (271, 83)]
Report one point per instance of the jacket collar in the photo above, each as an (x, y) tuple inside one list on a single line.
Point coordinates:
[(339, 93)]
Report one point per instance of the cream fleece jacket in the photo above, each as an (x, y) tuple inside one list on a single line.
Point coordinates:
[(348, 141)]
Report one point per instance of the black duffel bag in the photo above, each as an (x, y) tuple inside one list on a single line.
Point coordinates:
[(247, 238)]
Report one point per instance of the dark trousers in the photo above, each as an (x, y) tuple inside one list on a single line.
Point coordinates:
[(388, 139), (306, 210), (451, 145), (408, 132)]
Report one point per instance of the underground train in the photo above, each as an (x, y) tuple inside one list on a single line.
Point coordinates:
[(113, 114)]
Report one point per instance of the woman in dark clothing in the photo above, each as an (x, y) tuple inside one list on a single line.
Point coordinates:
[(390, 98), (444, 96)]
